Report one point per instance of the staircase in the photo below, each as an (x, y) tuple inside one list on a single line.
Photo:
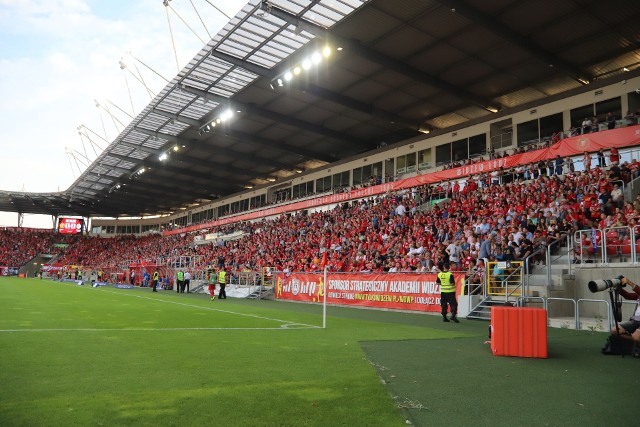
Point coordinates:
[(35, 264), (262, 293), (482, 311), (540, 282)]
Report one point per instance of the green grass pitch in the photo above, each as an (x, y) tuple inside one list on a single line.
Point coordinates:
[(80, 356)]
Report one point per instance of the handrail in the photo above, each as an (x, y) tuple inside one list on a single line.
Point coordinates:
[(563, 236), (523, 298), (505, 283), (525, 264), (484, 296), (579, 233)]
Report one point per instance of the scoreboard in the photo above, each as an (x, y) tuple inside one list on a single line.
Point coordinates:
[(70, 225)]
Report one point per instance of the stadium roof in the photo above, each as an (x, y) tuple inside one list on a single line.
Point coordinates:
[(396, 69)]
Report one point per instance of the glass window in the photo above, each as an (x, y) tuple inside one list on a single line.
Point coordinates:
[(366, 173), (424, 159), (376, 170), (401, 164), (613, 105), (578, 115), (528, 132), (412, 164), (443, 154), (389, 171), (460, 150), (478, 145), (341, 180), (550, 125), (357, 176), (634, 103)]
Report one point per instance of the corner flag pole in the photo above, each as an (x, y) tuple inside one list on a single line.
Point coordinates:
[(324, 300)]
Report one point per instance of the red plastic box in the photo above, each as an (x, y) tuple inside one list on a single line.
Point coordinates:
[(518, 331)]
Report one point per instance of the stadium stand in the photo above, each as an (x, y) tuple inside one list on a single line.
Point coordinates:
[(494, 218)]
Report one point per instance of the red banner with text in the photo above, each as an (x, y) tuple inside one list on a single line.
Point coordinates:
[(410, 291)]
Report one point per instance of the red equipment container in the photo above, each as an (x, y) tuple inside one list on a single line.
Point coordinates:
[(518, 331)]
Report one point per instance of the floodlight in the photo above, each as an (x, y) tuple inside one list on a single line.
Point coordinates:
[(306, 64), (297, 70), (176, 148), (226, 115), (326, 52), (288, 75), (316, 58), (163, 156)]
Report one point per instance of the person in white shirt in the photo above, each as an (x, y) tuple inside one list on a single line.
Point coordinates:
[(187, 280)]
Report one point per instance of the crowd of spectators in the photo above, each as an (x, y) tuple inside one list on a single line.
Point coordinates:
[(114, 252), (504, 215), (19, 246)]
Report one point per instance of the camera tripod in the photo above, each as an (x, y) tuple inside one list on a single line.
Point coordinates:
[(616, 306)]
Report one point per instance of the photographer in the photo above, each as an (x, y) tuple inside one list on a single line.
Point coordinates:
[(631, 328)]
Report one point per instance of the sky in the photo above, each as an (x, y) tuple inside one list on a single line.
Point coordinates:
[(58, 56)]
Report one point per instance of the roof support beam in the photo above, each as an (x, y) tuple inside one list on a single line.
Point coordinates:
[(277, 117), (210, 165), (320, 92), (185, 143), (185, 120), (255, 140), (478, 17), (280, 146), (382, 59)]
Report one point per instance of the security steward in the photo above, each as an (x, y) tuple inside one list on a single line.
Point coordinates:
[(447, 293), (222, 281), (155, 281), (180, 282)]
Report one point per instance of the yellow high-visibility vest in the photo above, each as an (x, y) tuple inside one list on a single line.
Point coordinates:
[(447, 284)]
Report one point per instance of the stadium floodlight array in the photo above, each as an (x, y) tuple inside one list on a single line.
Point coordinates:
[(224, 117), (303, 66)]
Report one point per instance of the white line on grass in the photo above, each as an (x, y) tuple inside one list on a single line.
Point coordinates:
[(211, 308), (281, 328), (287, 323)]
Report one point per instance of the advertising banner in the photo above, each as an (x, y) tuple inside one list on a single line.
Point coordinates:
[(410, 291)]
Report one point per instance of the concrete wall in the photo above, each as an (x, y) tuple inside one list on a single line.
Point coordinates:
[(580, 290)]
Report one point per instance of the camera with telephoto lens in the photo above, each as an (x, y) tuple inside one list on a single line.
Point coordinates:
[(604, 284)]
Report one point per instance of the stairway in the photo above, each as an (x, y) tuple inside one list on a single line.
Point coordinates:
[(262, 293), (482, 311)]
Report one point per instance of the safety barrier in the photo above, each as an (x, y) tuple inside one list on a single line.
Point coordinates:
[(592, 300), (504, 278), (575, 307)]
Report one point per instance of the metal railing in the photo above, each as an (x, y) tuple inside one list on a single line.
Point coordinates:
[(505, 278), (592, 300), (575, 308), (564, 237), (603, 246), (591, 244)]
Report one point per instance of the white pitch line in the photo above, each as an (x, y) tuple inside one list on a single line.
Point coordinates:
[(281, 328), (210, 308)]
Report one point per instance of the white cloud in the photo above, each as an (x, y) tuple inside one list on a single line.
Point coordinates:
[(57, 56)]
